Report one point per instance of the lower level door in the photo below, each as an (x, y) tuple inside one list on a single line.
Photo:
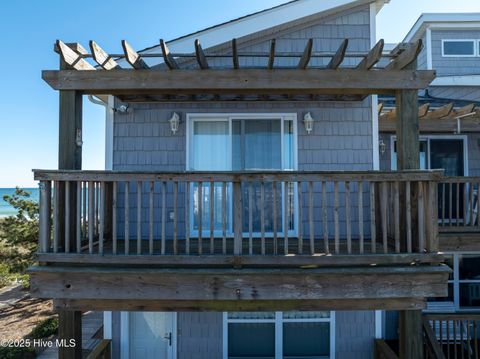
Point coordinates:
[(151, 335)]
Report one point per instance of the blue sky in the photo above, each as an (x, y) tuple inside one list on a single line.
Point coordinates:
[(29, 28)]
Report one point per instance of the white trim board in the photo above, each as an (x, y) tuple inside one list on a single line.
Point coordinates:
[(257, 22), (463, 80), (442, 20)]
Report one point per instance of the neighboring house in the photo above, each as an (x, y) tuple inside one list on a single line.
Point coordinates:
[(242, 213), (449, 139)]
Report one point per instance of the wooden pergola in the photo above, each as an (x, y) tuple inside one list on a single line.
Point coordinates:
[(446, 118), (177, 80)]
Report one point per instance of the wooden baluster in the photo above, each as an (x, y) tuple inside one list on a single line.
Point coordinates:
[(285, 217), (45, 211), (408, 218), (458, 202), (101, 220), (462, 351), (440, 324), (465, 198), (139, 217), (164, 217), (187, 217), (450, 204), (396, 214), (310, 218), (336, 217), (448, 336), (78, 233), (433, 242), (250, 219), (262, 215), (200, 217), (347, 217), (275, 239), (84, 206), (237, 218), (211, 202), (224, 218), (471, 208), (455, 349), (150, 219), (373, 224), (300, 217), (325, 217), (67, 217), (114, 218), (91, 215), (383, 215), (96, 186), (469, 343), (443, 203), (475, 336), (56, 228), (127, 218), (360, 217), (175, 217), (421, 218)]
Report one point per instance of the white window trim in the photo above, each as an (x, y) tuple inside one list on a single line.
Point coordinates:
[(474, 41), (278, 321), (192, 117), (427, 138)]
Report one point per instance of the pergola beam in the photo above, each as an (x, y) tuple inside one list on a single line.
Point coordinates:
[(242, 81), (307, 54), (200, 55), (271, 56), (337, 59), (102, 58), (132, 57), (167, 56), (373, 56)]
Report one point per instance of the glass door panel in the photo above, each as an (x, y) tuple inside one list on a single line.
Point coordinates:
[(447, 154), (210, 151)]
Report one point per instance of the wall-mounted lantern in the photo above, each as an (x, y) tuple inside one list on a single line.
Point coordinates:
[(174, 122), (308, 122), (382, 146)]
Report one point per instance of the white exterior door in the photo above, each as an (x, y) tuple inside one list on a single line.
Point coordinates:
[(151, 335)]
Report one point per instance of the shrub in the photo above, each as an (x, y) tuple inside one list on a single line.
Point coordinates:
[(45, 328)]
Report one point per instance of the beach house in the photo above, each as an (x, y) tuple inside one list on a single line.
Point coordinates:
[(242, 212)]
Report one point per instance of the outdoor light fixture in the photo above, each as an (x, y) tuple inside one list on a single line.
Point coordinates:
[(382, 146), (122, 109), (308, 122), (174, 122)]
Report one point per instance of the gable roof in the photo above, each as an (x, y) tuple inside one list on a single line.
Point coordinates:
[(258, 21), (427, 19)]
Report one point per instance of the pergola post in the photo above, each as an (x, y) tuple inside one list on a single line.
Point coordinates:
[(69, 157), (408, 158)]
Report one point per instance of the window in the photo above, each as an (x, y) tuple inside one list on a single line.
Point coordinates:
[(278, 335), (458, 48), (463, 283), (242, 142)]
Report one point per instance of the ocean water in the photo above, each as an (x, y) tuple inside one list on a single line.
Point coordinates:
[(7, 210)]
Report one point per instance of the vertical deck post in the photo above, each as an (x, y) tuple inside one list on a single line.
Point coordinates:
[(70, 332), (70, 157), (410, 334), (237, 218), (408, 158)]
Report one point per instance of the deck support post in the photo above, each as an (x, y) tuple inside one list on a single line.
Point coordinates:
[(69, 150), (70, 333), (410, 334), (408, 158), (69, 157)]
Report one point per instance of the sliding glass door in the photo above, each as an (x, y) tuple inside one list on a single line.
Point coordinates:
[(243, 143)]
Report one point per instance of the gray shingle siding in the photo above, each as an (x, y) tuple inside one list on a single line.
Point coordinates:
[(354, 334), (448, 66), (422, 56)]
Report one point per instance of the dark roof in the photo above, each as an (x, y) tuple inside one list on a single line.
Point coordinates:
[(435, 102)]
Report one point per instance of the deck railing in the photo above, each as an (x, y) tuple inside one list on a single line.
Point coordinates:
[(109, 212), (456, 334), (459, 204)]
